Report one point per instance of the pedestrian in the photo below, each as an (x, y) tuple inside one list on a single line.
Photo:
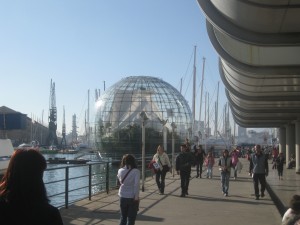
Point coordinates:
[(234, 160), (23, 196), (225, 165), (259, 169), (162, 159), (293, 212), (279, 165), (274, 157), (209, 163), (188, 145), (199, 158), (184, 161), (129, 178), (292, 162)]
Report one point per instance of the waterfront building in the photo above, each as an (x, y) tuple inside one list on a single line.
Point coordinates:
[(19, 128), (120, 111)]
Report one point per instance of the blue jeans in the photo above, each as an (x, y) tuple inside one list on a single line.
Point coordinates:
[(235, 171), (225, 176), (209, 171), (128, 211)]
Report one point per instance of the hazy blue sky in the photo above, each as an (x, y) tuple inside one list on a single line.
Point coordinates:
[(81, 43)]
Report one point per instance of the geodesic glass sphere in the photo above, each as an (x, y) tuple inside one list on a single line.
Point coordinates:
[(125, 106)]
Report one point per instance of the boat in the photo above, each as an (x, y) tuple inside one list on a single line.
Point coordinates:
[(6, 151), (33, 145), (58, 160)]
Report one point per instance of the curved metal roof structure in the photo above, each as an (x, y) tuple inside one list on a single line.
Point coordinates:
[(258, 42)]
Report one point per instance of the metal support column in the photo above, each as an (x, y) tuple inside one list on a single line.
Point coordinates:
[(297, 146), (282, 140)]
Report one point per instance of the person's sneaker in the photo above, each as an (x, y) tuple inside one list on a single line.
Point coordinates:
[(197, 176), (262, 194), (186, 193), (257, 198), (182, 195)]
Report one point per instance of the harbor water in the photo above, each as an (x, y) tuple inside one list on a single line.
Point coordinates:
[(78, 179)]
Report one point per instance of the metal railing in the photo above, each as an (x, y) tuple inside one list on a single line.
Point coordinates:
[(72, 183)]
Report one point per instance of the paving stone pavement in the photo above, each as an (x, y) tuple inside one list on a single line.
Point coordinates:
[(205, 203)]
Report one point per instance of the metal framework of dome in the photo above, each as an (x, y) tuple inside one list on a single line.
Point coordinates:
[(119, 115)]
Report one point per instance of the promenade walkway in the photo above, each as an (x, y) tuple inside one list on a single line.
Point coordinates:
[(205, 203)]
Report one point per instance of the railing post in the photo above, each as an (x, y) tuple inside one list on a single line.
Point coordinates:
[(90, 182), (107, 178), (67, 188)]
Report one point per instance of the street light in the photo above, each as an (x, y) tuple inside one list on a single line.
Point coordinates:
[(144, 117), (173, 125), (164, 123)]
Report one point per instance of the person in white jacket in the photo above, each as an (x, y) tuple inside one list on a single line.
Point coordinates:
[(292, 213), (129, 178), (162, 159)]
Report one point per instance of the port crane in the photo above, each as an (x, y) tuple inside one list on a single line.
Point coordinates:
[(52, 137)]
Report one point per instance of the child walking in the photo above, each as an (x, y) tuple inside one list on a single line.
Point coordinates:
[(209, 163)]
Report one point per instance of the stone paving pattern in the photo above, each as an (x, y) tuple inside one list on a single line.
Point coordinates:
[(205, 203)]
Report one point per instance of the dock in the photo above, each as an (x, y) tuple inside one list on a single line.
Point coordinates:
[(205, 203)]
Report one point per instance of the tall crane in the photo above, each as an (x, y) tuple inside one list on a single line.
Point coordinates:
[(63, 140), (52, 137), (74, 131)]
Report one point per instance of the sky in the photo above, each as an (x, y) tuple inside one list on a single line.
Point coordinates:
[(82, 44)]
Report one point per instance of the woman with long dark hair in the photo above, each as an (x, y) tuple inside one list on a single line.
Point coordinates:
[(129, 178), (23, 197)]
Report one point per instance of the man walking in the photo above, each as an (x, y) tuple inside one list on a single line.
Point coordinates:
[(199, 158), (259, 169), (183, 167)]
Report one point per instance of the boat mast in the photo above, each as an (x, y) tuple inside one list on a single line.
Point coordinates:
[(202, 81), (88, 121), (194, 90), (208, 130), (217, 112), (205, 108)]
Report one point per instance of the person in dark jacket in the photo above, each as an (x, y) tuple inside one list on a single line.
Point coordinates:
[(184, 162), (23, 197), (259, 169), (279, 161), (199, 159)]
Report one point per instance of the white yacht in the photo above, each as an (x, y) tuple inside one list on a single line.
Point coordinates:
[(6, 150)]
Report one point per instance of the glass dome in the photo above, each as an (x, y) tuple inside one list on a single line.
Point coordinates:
[(120, 109)]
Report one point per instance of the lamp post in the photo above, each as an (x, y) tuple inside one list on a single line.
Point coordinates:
[(164, 122), (173, 147), (144, 117)]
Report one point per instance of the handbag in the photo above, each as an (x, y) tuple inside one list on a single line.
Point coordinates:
[(154, 166), (166, 168)]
